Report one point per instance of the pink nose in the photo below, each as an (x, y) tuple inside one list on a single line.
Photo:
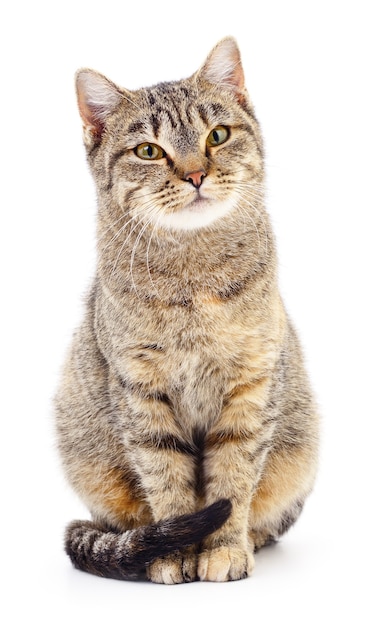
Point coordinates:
[(196, 178)]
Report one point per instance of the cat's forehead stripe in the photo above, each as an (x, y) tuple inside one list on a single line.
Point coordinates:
[(168, 108), (136, 127)]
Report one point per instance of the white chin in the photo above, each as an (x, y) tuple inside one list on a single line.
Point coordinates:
[(196, 215)]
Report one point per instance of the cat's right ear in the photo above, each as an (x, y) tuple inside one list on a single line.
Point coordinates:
[(97, 98)]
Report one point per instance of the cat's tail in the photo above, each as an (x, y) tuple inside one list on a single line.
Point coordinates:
[(125, 555)]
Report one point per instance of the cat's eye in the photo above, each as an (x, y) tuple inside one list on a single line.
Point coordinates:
[(217, 136), (149, 152)]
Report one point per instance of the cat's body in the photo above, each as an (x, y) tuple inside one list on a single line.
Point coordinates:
[(185, 383)]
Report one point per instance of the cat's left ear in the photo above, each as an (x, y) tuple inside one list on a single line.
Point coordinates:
[(223, 66)]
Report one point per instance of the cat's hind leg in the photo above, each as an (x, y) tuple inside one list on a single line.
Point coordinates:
[(281, 493)]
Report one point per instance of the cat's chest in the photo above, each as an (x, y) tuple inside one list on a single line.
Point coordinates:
[(188, 335), (192, 356), (195, 354)]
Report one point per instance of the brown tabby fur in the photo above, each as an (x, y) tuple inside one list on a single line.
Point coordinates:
[(185, 384)]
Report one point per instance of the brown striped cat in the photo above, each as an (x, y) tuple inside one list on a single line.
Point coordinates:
[(184, 416)]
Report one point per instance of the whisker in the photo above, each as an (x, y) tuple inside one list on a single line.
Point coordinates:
[(246, 204), (131, 101), (147, 254), (247, 214), (136, 244), (123, 246), (119, 232), (110, 226)]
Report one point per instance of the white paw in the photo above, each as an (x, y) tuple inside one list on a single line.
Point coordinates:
[(174, 569), (225, 563)]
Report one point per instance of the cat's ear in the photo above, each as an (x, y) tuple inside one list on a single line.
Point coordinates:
[(223, 65), (97, 98)]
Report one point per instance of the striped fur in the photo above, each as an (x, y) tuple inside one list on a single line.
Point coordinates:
[(124, 555), (185, 384)]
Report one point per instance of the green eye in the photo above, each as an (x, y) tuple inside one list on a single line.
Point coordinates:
[(217, 136), (149, 152)]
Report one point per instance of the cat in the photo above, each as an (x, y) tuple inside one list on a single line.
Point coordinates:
[(185, 419)]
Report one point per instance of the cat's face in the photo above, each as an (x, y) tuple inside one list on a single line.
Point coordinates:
[(178, 155)]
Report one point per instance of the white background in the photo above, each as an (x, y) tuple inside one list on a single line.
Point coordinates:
[(307, 67)]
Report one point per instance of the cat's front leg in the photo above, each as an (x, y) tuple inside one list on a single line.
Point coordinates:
[(227, 555), (235, 451), (165, 464), (168, 477)]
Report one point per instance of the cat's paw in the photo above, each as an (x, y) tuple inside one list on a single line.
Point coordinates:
[(225, 563), (174, 569)]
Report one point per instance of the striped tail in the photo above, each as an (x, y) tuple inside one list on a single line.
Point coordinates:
[(125, 555)]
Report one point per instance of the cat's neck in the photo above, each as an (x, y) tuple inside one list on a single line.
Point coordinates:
[(176, 266)]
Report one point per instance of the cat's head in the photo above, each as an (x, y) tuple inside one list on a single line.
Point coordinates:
[(180, 154)]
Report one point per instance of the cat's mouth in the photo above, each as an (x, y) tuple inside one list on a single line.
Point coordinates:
[(199, 212), (199, 203)]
